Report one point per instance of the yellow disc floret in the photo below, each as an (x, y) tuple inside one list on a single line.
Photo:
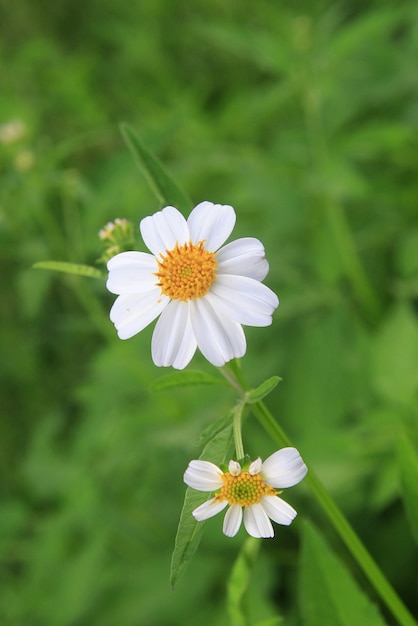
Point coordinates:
[(245, 489), (186, 272)]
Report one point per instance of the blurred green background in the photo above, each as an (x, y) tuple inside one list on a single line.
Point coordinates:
[(304, 117)]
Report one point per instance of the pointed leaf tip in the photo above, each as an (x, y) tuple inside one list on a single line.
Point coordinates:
[(165, 188)]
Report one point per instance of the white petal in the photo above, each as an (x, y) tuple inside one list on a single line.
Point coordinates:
[(163, 230), (131, 272), (284, 468), (278, 510), (255, 467), (234, 468), (232, 520), (243, 257), (208, 509), (256, 522), (131, 313), (203, 476), (243, 299), (173, 341), (219, 339), (211, 223)]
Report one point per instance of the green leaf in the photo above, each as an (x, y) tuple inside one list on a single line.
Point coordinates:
[(271, 621), (189, 532), (70, 268), (239, 580), (162, 184), (408, 463), (395, 357), (328, 593), (215, 428), (238, 586), (186, 379), (255, 395)]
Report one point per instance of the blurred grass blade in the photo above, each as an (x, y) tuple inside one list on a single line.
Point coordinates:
[(408, 463), (238, 584), (239, 580), (328, 593), (70, 268), (162, 184), (188, 378), (189, 532)]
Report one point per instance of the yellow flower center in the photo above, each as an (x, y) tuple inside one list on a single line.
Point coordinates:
[(186, 272), (245, 489)]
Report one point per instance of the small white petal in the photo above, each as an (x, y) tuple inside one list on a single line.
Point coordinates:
[(173, 341), (284, 468), (234, 468), (131, 313), (243, 257), (211, 223), (243, 299), (163, 230), (278, 510), (232, 520), (203, 476), (131, 272), (218, 339), (209, 509), (256, 522), (255, 467)]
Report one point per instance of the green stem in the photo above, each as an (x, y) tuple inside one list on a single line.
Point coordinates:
[(365, 561), (239, 446)]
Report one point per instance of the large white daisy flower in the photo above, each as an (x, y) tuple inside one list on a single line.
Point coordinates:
[(251, 493), (203, 292)]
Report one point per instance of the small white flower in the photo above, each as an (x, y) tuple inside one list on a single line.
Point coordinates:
[(202, 292), (251, 493)]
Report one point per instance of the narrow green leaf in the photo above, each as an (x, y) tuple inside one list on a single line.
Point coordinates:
[(186, 379), (328, 593), (162, 184), (215, 428), (70, 268), (239, 581), (408, 464), (266, 387), (271, 621), (189, 532), (239, 586)]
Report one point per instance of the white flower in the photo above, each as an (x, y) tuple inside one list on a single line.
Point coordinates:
[(252, 490), (203, 292)]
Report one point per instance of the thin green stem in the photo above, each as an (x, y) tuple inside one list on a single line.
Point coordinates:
[(364, 560), (239, 446)]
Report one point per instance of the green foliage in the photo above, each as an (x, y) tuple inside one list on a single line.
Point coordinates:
[(185, 378), (238, 583), (328, 593), (189, 532), (266, 387), (165, 188), (70, 268), (408, 462), (303, 117)]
